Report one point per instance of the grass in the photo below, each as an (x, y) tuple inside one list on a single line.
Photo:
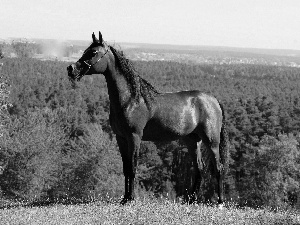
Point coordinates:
[(144, 211)]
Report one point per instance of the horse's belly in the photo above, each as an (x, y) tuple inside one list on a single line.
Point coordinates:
[(165, 129)]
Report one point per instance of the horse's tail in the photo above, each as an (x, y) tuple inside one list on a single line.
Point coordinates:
[(224, 147)]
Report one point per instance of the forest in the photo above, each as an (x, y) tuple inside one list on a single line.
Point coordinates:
[(56, 143)]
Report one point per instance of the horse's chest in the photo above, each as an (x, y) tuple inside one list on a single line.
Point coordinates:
[(117, 123), (129, 120)]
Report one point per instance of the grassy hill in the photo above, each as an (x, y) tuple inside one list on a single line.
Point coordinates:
[(145, 211)]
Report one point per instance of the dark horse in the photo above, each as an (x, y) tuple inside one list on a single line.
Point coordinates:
[(139, 112)]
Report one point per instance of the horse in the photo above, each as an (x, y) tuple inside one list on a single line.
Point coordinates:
[(138, 112)]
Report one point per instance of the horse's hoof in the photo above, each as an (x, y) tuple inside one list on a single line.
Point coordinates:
[(126, 200)]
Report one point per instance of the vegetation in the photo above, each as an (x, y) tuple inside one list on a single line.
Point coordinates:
[(59, 146), (145, 211)]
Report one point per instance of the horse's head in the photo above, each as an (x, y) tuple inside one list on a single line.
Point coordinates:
[(93, 60)]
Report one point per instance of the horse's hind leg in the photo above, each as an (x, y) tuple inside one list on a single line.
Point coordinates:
[(198, 168), (210, 136), (195, 154), (218, 169)]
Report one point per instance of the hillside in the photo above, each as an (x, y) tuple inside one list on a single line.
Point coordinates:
[(57, 144)]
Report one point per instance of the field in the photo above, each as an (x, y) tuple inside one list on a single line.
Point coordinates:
[(144, 211)]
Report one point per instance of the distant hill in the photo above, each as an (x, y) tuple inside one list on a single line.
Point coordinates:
[(279, 52), (71, 50), (127, 45)]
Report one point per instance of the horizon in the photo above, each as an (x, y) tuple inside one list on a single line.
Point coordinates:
[(153, 45), (244, 24)]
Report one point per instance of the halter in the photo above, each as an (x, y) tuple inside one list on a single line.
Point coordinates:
[(78, 76)]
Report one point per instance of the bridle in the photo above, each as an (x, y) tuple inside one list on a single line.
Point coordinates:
[(77, 71)]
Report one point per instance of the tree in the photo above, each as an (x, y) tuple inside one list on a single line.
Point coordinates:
[(4, 119), (4, 104), (24, 49), (273, 171)]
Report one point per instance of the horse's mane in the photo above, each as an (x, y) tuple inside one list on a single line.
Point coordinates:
[(139, 87)]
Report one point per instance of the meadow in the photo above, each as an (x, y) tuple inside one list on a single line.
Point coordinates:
[(145, 211)]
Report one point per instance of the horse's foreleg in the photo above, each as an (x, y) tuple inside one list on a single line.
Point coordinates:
[(123, 147), (133, 149)]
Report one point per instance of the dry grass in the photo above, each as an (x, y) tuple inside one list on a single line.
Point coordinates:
[(144, 212)]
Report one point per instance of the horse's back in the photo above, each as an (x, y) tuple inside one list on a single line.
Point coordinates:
[(203, 103), (181, 113)]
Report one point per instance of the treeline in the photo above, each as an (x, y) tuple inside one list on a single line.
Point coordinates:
[(26, 49), (59, 145)]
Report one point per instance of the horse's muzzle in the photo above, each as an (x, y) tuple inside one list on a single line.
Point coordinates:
[(70, 70), (73, 73)]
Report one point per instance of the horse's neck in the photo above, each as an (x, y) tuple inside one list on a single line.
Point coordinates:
[(118, 89)]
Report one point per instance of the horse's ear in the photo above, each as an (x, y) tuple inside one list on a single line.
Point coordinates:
[(100, 38), (94, 38)]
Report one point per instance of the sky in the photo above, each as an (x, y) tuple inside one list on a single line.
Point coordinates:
[(235, 23)]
